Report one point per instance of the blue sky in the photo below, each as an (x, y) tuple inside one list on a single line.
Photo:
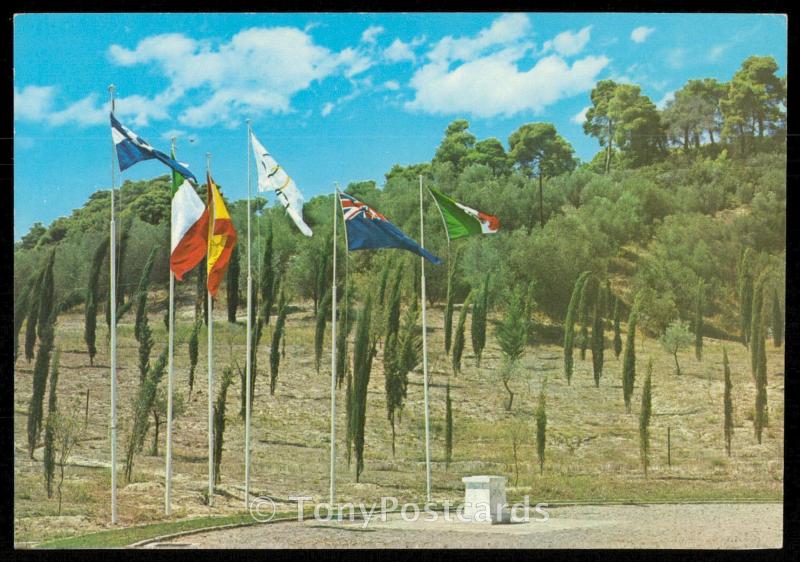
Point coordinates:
[(334, 97)]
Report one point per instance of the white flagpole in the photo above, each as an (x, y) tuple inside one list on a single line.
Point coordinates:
[(249, 366), (113, 304), (425, 351), (170, 377), (333, 353), (210, 204)]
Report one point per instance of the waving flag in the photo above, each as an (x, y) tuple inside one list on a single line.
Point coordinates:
[(272, 177), (131, 148), (221, 237), (461, 220), (367, 229)]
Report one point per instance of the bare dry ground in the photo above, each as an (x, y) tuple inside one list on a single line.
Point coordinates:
[(592, 445), (698, 526)]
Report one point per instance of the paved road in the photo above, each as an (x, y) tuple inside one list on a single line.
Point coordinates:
[(709, 526)]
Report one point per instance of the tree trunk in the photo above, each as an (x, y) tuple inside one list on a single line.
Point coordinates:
[(711, 135), (608, 148), (510, 396), (677, 367)]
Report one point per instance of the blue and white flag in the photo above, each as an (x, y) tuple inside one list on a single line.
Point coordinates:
[(131, 148), (367, 229)]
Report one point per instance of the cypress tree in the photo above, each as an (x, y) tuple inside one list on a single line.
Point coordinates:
[(393, 314), (387, 266), (93, 298), (321, 281), (232, 284), (194, 345), (745, 295), (480, 309), (727, 402), (122, 248), (141, 295), (201, 302), (448, 429), (777, 319), (448, 309), (267, 284), (49, 460), (541, 428), (400, 355), (644, 417), (698, 323), (617, 334), (219, 421), (350, 421), (629, 362), (21, 306), (598, 338), (756, 324), (569, 324), (344, 326), (607, 296), (30, 326), (760, 419), (363, 353), (142, 406), (277, 336), (319, 331), (458, 342), (583, 308), (47, 291)]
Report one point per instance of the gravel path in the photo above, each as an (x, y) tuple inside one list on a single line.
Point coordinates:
[(709, 526)]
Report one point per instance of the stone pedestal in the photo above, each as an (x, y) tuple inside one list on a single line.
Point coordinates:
[(485, 498)]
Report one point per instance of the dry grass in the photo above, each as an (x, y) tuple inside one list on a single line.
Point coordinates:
[(592, 448)]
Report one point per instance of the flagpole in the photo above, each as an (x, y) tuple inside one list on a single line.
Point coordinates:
[(113, 343), (249, 336), (210, 353), (333, 354), (425, 350), (170, 378)]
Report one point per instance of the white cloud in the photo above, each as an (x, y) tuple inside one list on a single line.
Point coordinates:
[(676, 57), (506, 30), (580, 117), (640, 34), (568, 43), (668, 97), (327, 108), (391, 85), (399, 51), (716, 52), (371, 33), (33, 103)]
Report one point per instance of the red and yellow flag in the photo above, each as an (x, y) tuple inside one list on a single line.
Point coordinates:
[(221, 237)]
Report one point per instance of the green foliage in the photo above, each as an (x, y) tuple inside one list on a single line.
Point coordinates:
[(141, 297), (694, 110), (540, 151), (277, 337), (759, 345), (583, 316), (232, 284), (93, 299), (268, 279), (344, 326), (193, 353), (159, 411), (777, 319), (219, 420), (598, 339), (617, 334), (456, 145), (387, 268), (676, 337), (448, 310), (401, 354), (629, 362), (569, 323), (142, 405), (698, 323), (363, 354), (201, 295), (756, 325), (46, 296), (393, 309), (48, 457), (644, 417), (459, 340), (65, 436), (480, 310), (727, 402), (541, 428), (448, 428), (319, 330), (512, 336)]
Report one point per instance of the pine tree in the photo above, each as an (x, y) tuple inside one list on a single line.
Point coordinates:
[(219, 421), (480, 310), (629, 362), (583, 308), (569, 324), (319, 332), (448, 310), (541, 428), (49, 460), (459, 340), (363, 354), (727, 402), (617, 334), (644, 417), (93, 298), (142, 406), (194, 345), (277, 336), (448, 429), (777, 320), (698, 323), (232, 284), (598, 338)]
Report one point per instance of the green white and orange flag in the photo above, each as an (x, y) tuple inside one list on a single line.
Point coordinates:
[(221, 237), (460, 220), (188, 228)]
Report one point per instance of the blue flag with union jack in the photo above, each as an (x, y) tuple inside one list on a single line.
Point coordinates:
[(367, 229)]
